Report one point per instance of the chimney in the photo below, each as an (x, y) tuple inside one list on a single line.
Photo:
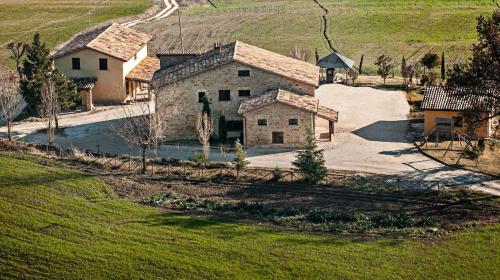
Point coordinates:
[(217, 47)]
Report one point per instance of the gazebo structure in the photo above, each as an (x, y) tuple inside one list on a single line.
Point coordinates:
[(334, 61)]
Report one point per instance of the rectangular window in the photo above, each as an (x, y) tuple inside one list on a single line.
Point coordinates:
[(293, 121), (458, 121), (278, 138), (244, 92), (234, 125), (224, 95), (75, 61), (201, 96), (262, 122), (103, 64), (243, 73)]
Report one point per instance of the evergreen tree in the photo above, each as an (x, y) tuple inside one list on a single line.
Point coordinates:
[(361, 64), (310, 161), (403, 68), (36, 69), (222, 129), (240, 161), (443, 68), (67, 92), (206, 106)]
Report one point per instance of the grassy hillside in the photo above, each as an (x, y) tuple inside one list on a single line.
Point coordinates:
[(58, 20), (356, 27), (57, 223)]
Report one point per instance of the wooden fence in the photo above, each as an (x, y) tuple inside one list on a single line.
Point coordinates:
[(187, 170)]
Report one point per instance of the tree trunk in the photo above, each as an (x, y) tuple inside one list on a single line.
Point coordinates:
[(57, 122), (144, 148), (9, 130)]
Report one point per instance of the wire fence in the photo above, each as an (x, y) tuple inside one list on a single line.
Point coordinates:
[(217, 172)]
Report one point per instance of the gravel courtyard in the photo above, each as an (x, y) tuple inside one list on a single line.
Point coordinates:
[(369, 137)]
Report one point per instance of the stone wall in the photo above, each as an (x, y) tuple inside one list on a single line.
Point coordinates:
[(184, 95), (277, 116)]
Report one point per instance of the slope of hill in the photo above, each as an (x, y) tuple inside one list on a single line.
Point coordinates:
[(57, 223), (395, 27), (58, 20)]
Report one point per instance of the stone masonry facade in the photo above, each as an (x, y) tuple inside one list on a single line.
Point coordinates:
[(277, 117), (183, 95)]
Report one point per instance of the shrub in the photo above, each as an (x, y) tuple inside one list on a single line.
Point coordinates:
[(401, 220), (310, 161), (200, 159), (472, 152), (427, 222), (318, 216), (277, 175)]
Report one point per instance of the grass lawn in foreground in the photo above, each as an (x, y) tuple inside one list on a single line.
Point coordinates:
[(57, 20), (57, 223)]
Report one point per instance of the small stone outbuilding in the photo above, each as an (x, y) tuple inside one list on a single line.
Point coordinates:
[(280, 117)]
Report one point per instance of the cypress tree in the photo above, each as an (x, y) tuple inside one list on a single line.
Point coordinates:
[(361, 64), (36, 69), (222, 129), (206, 106), (443, 68)]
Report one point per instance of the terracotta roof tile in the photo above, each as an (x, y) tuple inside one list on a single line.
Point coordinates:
[(145, 70), (84, 83), (243, 53), (456, 98), (273, 62), (302, 102), (327, 113), (114, 40)]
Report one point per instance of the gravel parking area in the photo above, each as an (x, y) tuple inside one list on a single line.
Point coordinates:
[(369, 137)]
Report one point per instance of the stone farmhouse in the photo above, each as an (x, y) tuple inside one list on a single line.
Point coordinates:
[(266, 98), (109, 64), (446, 107)]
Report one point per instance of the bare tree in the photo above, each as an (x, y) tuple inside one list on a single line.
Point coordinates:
[(143, 127), (299, 53), (11, 101), (205, 127), (17, 51), (50, 107)]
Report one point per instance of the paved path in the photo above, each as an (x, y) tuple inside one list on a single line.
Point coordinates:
[(370, 137), (170, 7)]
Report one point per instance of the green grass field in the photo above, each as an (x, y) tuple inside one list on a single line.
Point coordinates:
[(58, 20), (61, 224), (357, 27)]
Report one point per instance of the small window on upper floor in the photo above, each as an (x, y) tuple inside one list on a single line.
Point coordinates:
[(293, 121), (243, 73), (224, 95), (103, 64), (243, 92), (262, 122), (201, 96), (75, 61)]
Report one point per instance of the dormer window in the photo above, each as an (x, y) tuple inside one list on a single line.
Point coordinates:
[(243, 73), (75, 61)]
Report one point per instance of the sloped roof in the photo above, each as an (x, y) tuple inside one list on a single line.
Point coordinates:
[(273, 62), (457, 98), (145, 70), (84, 83), (243, 53), (302, 102), (335, 60), (114, 40), (327, 113)]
